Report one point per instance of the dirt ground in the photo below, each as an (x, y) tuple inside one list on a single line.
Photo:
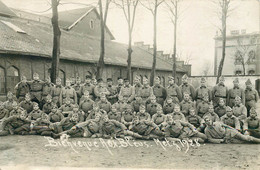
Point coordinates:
[(40, 151)]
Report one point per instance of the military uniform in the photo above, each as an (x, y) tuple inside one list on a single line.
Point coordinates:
[(188, 88), (66, 109), (16, 112), (145, 92), (27, 105), (239, 110), (202, 91), (105, 105), (15, 125), (35, 114), (112, 97), (232, 93), (202, 108), (36, 87), (186, 106), (138, 87), (66, 124), (113, 128), (121, 106), (219, 91), (90, 88), (127, 118), (22, 88), (47, 88), (168, 107), (213, 116), (8, 104), (160, 93), (56, 95), (77, 87), (127, 91), (251, 97), (68, 92), (195, 120), (252, 125), (136, 105), (152, 108), (4, 113), (174, 92), (220, 110), (231, 121), (178, 116), (47, 107), (159, 120), (114, 116), (86, 105), (99, 90), (144, 116), (56, 116)]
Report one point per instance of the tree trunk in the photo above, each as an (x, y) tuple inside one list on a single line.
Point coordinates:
[(56, 42), (221, 64), (154, 46), (101, 63), (174, 46), (129, 70)]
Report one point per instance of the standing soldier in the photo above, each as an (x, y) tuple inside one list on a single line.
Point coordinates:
[(251, 96), (187, 88), (100, 89), (76, 87), (159, 91), (173, 90), (21, 89), (146, 91), (87, 86), (127, 91), (68, 92), (46, 89), (56, 92), (36, 86), (235, 91), (202, 91), (120, 83), (137, 85), (112, 97), (219, 91)]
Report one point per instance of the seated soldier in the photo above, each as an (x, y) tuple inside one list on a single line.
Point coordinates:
[(252, 124), (127, 116), (203, 106), (194, 119), (142, 114), (4, 113), (67, 123), (16, 109), (103, 103), (35, 113), (136, 103), (86, 103), (214, 117), (177, 114), (182, 130), (79, 112), (55, 115), (221, 108), (87, 129), (113, 129), (114, 114), (67, 107), (10, 100), (121, 104), (17, 124), (96, 111), (152, 106), (27, 104), (186, 104), (41, 126), (159, 118), (230, 119), (217, 132), (48, 104), (147, 129), (168, 106), (239, 110)]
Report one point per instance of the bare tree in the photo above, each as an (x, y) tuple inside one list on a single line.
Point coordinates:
[(56, 41), (224, 9), (103, 18), (152, 6), (173, 6), (129, 9)]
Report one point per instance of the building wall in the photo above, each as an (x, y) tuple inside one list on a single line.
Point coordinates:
[(12, 67), (232, 47)]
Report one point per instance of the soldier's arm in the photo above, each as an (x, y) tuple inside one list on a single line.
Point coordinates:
[(183, 123), (193, 93), (153, 118), (237, 124), (179, 94), (243, 99), (256, 96), (90, 115), (148, 116), (245, 125), (60, 97), (244, 113), (83, 124), (6, 121), (164, 93), (96, 92), (75, 96), (123, 119), (211, 139), (217, 117), (120, 125), (132, 96)]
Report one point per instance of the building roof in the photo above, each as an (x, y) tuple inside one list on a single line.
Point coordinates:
[(4, 10), (235, 36), (74, 46)]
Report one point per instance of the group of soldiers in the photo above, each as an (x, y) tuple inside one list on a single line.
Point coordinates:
[(98, 109)]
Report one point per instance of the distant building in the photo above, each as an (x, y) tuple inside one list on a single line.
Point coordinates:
[(26, 48), (242, 53)]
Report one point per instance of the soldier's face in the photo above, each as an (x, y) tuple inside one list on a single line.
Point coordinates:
[(205, 99), (109, 83), (120, 81), (192, 112), (15, 106), (171, 81), (169, 100), (137, 80), (74, 117), (129, 110), (159, 111), (35, 107), (177, 109), (237, 101), (136, 121), (9, 97), (67, 101), (36, 77), (48, 100), (253, 114), (236, 84), (105, 119), (186, 97), (249, 86), (86, 95), (23, 116), (54, 110), (153, 100), (24, 79), (229, 113), (94, 82), (221, 103), (145, 81), (58, 82), (95, 108), (27, 98), (208, 121), (184, 80), (78, 81), (157, 81), (103, 98), (203, 83), (142, 110), (87, 80), (113, 109), (126, 82), (211, 109), (68, 83)]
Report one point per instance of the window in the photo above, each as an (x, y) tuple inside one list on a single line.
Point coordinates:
[(62, 76), (238, 57), (91, 24), (238, 72), (2, 81), (251, 57), (12, 78), (251, 72)]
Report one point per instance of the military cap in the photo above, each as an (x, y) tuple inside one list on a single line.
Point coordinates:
[(185, 76), (237, 97), (9, 94), (177, 105), (192, 109), (228, 109), (35, 104), (202, 79), (236, 80), (248, 82), (58, 79), (99, 80), (152, 97), (109, 79), (88, 76), (158, 77), (253, 110), (170, 77), (126, 79), (48, 97), (35, 74), (75, 106), (142, 106), (221, 78), (119, 78)]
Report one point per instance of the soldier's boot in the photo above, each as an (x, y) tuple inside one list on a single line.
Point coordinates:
[(133, 134), (253, 139)]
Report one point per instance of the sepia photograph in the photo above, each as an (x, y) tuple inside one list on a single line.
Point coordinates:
[(129, 84)]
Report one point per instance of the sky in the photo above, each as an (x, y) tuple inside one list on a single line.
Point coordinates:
[(196, 30)]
